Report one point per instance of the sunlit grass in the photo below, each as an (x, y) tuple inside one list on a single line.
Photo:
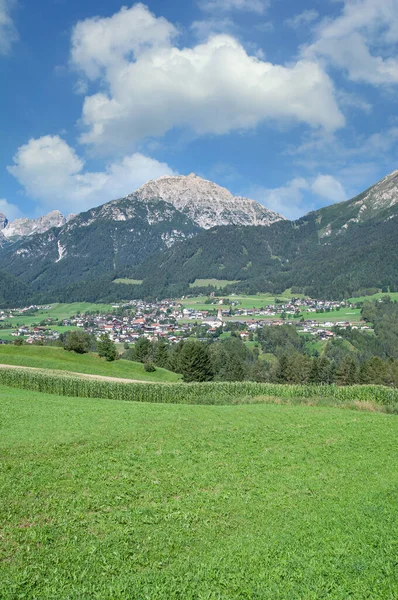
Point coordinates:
[(117, 501)]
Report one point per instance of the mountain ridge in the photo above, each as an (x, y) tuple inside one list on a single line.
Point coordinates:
[(206, 203), (149, 238)]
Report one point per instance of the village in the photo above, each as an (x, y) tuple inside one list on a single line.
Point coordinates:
[(174, 320)]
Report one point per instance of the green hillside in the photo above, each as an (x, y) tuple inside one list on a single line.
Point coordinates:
[(45, 357), (284, 255), (117, 500), (333, 252), (58, 311)]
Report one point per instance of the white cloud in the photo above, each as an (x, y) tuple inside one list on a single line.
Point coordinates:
[(327, 186), (8, 32), (51, 172), (256, 6), (99, 44), (11, 211), (300, 195), (148, 86), (303, 19), (205, 28), (288, 200), (361, 41)]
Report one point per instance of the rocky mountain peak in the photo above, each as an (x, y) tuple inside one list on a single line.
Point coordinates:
[(381, 196), (205, 202), (3, 221), (377, 201), (25, 227)]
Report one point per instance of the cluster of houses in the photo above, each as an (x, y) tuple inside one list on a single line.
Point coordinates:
[(171, 320)]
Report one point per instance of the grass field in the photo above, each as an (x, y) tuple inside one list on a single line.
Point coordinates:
[(344, 314), (121, 501), (5, 334), (218, 283), (128, 281), (257, 301), (46, 357), (58, 311), (393, 296)]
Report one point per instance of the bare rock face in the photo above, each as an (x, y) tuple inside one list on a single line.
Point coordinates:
[(377, 202), (205, 202), (3, 221), (21, 228), (381, 196)]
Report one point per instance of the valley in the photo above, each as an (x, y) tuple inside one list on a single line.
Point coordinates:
[(198, 300)]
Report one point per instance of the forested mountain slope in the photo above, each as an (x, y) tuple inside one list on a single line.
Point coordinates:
[(331, 252), (363, 254)]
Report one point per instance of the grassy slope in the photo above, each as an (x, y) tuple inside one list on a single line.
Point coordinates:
[(218, 283), (198, 302), (128, 281), (58, 311), (56, 358), (114, 500), (393, 296)]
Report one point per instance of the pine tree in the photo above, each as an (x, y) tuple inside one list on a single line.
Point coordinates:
[(347, 372), (195, 362), (232, 369), (142, 349), (281, 371), (325, 372), (106, 348), (313, 376), (161, 354), (373, 370)]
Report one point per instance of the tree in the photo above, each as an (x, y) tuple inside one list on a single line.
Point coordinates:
[(106, 348), (313, 376), (298, 368), (195, 362), (347, 372), (373, 370), (232, 370), (79, 342), (282, 369), (161, 354), (142, 349)]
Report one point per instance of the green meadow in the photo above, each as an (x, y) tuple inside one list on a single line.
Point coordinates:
[(58, 311), (393, 296), (128, 281), (255, 301), (48, 357), (115, 500), (217, 283)]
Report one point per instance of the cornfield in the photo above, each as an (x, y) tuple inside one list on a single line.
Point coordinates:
[(192, 393)]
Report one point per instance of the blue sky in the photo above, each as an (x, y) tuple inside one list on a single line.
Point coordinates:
[(292, 103)]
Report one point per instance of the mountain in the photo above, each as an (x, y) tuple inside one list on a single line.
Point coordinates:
[(12, 291), (330, 252), (206, 203), (3, 221), (103, 240), (21, 228), (122, 233), (166, 241), (378, 202)]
